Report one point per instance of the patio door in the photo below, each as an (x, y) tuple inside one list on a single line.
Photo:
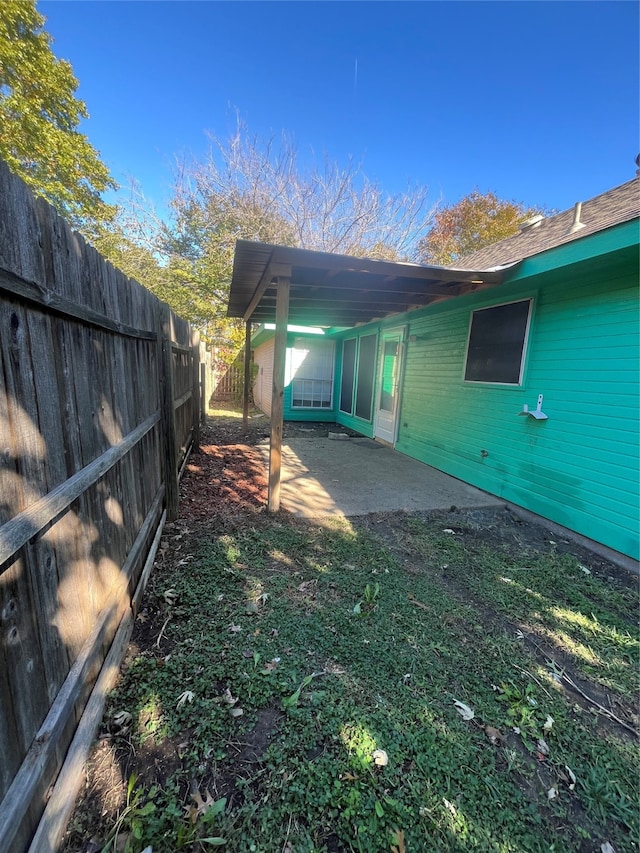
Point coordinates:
[(388, 398)]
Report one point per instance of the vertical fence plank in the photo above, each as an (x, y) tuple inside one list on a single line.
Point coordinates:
[(169, 452)]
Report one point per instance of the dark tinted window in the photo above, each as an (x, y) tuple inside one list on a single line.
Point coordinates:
[(496, 343), (348, 373), (366, 371)]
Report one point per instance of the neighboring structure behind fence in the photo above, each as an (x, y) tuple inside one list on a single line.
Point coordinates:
[(99, 407)]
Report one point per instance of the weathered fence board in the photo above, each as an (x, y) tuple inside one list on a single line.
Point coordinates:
[(228, 382), (99, 408)]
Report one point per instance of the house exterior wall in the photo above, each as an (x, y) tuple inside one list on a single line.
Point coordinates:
[(262, 386), (299, 342), (579, 467), (263, 383)]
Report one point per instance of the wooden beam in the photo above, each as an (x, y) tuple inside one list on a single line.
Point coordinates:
[(271, 271), (247, 377), (26, 524), (277, 394), (54, 303), (330, 262)]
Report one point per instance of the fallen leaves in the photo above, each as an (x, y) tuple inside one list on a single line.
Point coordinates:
[(380, 757), (183, 698), (205, 809), (398, 842), (418, 603), (465, 711), (494, 736), (543, 747), (170, 596)]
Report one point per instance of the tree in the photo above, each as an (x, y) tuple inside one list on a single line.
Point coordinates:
[(476, 221), (257, 189), (39, 119)]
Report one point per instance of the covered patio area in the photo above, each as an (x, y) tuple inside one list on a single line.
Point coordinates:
[(286, 285), (354, 476)]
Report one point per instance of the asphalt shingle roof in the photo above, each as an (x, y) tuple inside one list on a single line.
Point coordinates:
[(620, 204)]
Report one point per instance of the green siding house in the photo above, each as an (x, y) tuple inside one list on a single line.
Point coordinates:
[(527, 389)]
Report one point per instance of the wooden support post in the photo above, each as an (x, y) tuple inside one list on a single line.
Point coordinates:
[(277, 396), (247, 377), (167, 413)]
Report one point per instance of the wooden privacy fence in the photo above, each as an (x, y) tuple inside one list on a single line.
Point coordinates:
[(99, 407), (228, 382)]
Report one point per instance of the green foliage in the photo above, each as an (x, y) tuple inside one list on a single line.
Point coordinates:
[(39, 119), (132, 819), (475, 221), (256, 189), (367, 604)]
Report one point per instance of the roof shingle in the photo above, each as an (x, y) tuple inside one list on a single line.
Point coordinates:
[(620, 204)]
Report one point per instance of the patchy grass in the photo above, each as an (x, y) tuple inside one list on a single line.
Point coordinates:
[(292, 687)]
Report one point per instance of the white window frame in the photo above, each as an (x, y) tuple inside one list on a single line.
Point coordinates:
[(306, 379)]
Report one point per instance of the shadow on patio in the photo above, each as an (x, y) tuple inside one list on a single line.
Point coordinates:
[(358, 476)]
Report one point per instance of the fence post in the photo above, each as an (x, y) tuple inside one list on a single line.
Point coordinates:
[(167, 411), (203, 392), (196, 390)]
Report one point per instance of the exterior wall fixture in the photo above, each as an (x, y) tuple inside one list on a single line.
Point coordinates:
[(538, 414)]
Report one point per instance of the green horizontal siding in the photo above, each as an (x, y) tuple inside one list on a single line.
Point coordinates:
[(579, 467)]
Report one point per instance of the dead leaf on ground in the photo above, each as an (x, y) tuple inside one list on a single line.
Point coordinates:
[(543, 746), (418, 603), (398, 845), (380, 757), (569, 778), (349, 777), (183, 698), (201, 804), (465, 711), (494, 736)]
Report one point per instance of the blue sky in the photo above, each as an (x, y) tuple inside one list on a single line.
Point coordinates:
[(537, 101)]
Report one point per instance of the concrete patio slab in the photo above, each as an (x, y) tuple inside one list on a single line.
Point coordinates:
[(358, 476)]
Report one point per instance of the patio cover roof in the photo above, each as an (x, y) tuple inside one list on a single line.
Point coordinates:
[(285, 285), (339, 290)]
